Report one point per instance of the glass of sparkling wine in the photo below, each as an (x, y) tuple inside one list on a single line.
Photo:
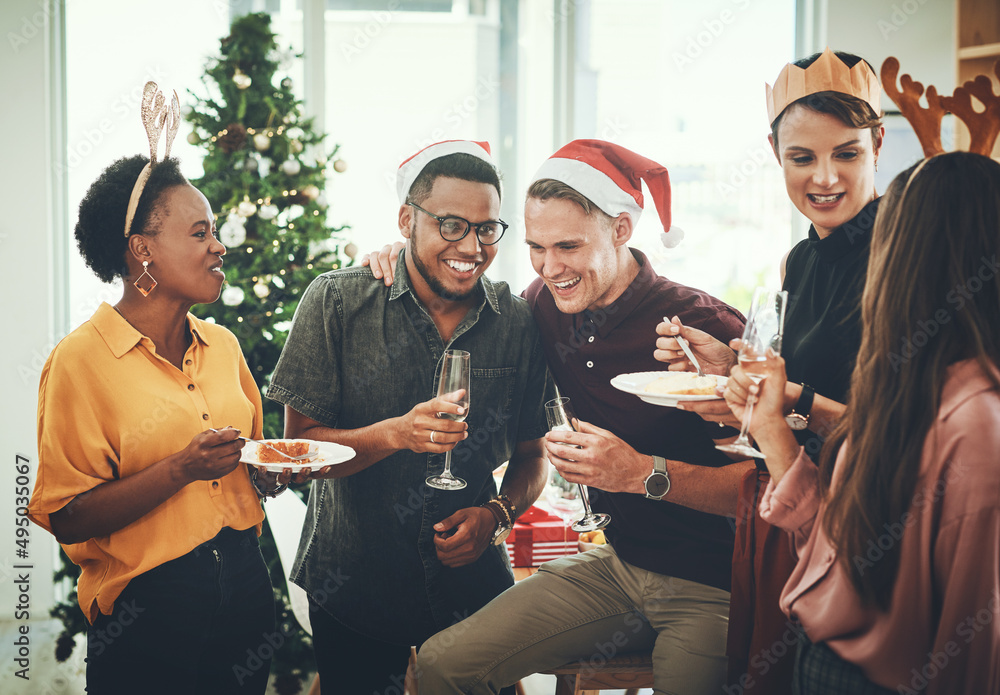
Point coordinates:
[(454, 377), (561, 419), (765, 323)]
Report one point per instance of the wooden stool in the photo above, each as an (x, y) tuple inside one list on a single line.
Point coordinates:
[(630, 671)]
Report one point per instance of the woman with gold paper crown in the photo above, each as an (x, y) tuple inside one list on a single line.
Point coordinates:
[(133, 481), (897, 586), (826, 134)]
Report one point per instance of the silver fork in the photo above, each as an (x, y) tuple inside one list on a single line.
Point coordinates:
[(687, 350), (290, 458)]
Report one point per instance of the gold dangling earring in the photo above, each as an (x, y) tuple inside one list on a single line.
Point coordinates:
[(147, 286)]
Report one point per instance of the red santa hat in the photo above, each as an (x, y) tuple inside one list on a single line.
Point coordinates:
[(611, 177), (410, 169)]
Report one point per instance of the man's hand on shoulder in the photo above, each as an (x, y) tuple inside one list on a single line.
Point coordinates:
[(597, 458), (462, 537), (383, 263)]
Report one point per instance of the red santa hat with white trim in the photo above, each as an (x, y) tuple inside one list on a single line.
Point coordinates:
[(410, 169), (611, 177)]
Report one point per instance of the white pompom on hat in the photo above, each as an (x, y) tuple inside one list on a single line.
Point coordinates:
[(410, 169), (611, 177)]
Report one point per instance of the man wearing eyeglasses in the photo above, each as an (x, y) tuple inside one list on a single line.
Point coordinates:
[(386, 560), (662, 583)]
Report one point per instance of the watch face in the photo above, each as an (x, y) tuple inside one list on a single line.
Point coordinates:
[(501, 535), (796, 421), (657, 485)]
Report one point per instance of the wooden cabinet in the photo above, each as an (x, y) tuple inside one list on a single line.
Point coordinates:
[(978, 49)]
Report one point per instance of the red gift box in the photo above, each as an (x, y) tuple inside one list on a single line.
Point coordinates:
[(537, 537)]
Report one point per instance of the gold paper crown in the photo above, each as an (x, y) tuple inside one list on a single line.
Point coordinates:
[(984, 126), (157, 117), (827, 74)]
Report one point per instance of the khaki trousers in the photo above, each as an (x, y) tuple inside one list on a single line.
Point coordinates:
[(586, 608)]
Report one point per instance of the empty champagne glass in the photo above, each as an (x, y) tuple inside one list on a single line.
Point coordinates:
[(561, 418), (454, 377), (765, 323)]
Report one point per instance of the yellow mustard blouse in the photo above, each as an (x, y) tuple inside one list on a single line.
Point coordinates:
[(109, 406)]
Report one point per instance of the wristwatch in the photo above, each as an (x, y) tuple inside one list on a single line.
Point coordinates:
[(658, 482), (504, 521), (798, 419)]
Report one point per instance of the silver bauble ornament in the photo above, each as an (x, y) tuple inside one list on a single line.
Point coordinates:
[(340, 166), (351, 250), (241, 79), (291, 167), (246, 208), (261, 290), (268, 211), (261, 142), (311, 192), (231, 296), (193, 138), (232, 232)]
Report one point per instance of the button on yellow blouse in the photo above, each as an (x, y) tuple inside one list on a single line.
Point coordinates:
[(108, 407)]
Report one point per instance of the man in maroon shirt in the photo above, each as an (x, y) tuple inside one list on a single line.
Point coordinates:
[(662, 583)]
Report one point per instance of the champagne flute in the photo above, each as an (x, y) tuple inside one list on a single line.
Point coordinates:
[(763, 330), (561, 417), (454, 377)]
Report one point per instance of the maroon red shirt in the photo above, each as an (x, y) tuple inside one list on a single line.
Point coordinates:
[(584, 352)]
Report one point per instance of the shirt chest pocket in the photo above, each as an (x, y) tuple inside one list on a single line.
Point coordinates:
[(492, 416)]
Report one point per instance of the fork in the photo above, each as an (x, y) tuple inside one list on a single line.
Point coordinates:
[(291, 459), (687, 350)]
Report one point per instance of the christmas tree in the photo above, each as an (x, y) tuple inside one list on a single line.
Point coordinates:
[(265, 172)]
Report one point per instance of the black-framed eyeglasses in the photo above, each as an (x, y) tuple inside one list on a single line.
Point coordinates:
[(456, 228)]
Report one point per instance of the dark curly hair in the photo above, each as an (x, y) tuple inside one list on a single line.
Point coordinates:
[(100, 229)]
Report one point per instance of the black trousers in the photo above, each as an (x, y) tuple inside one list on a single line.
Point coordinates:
[(349, 663), (202, 623)]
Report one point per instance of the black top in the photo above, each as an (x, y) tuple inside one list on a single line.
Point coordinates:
[(585, 351), (824, 279)]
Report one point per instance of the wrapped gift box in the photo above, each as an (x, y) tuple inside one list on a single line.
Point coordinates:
[(538, 537)]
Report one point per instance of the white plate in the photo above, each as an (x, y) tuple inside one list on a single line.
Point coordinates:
[(636, 382), (327, 454)]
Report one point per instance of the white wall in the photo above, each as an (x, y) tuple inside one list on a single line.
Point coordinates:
[(28, 268)]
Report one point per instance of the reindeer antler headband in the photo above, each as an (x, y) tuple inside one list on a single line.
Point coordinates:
[(158, 117), (984, 126)]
